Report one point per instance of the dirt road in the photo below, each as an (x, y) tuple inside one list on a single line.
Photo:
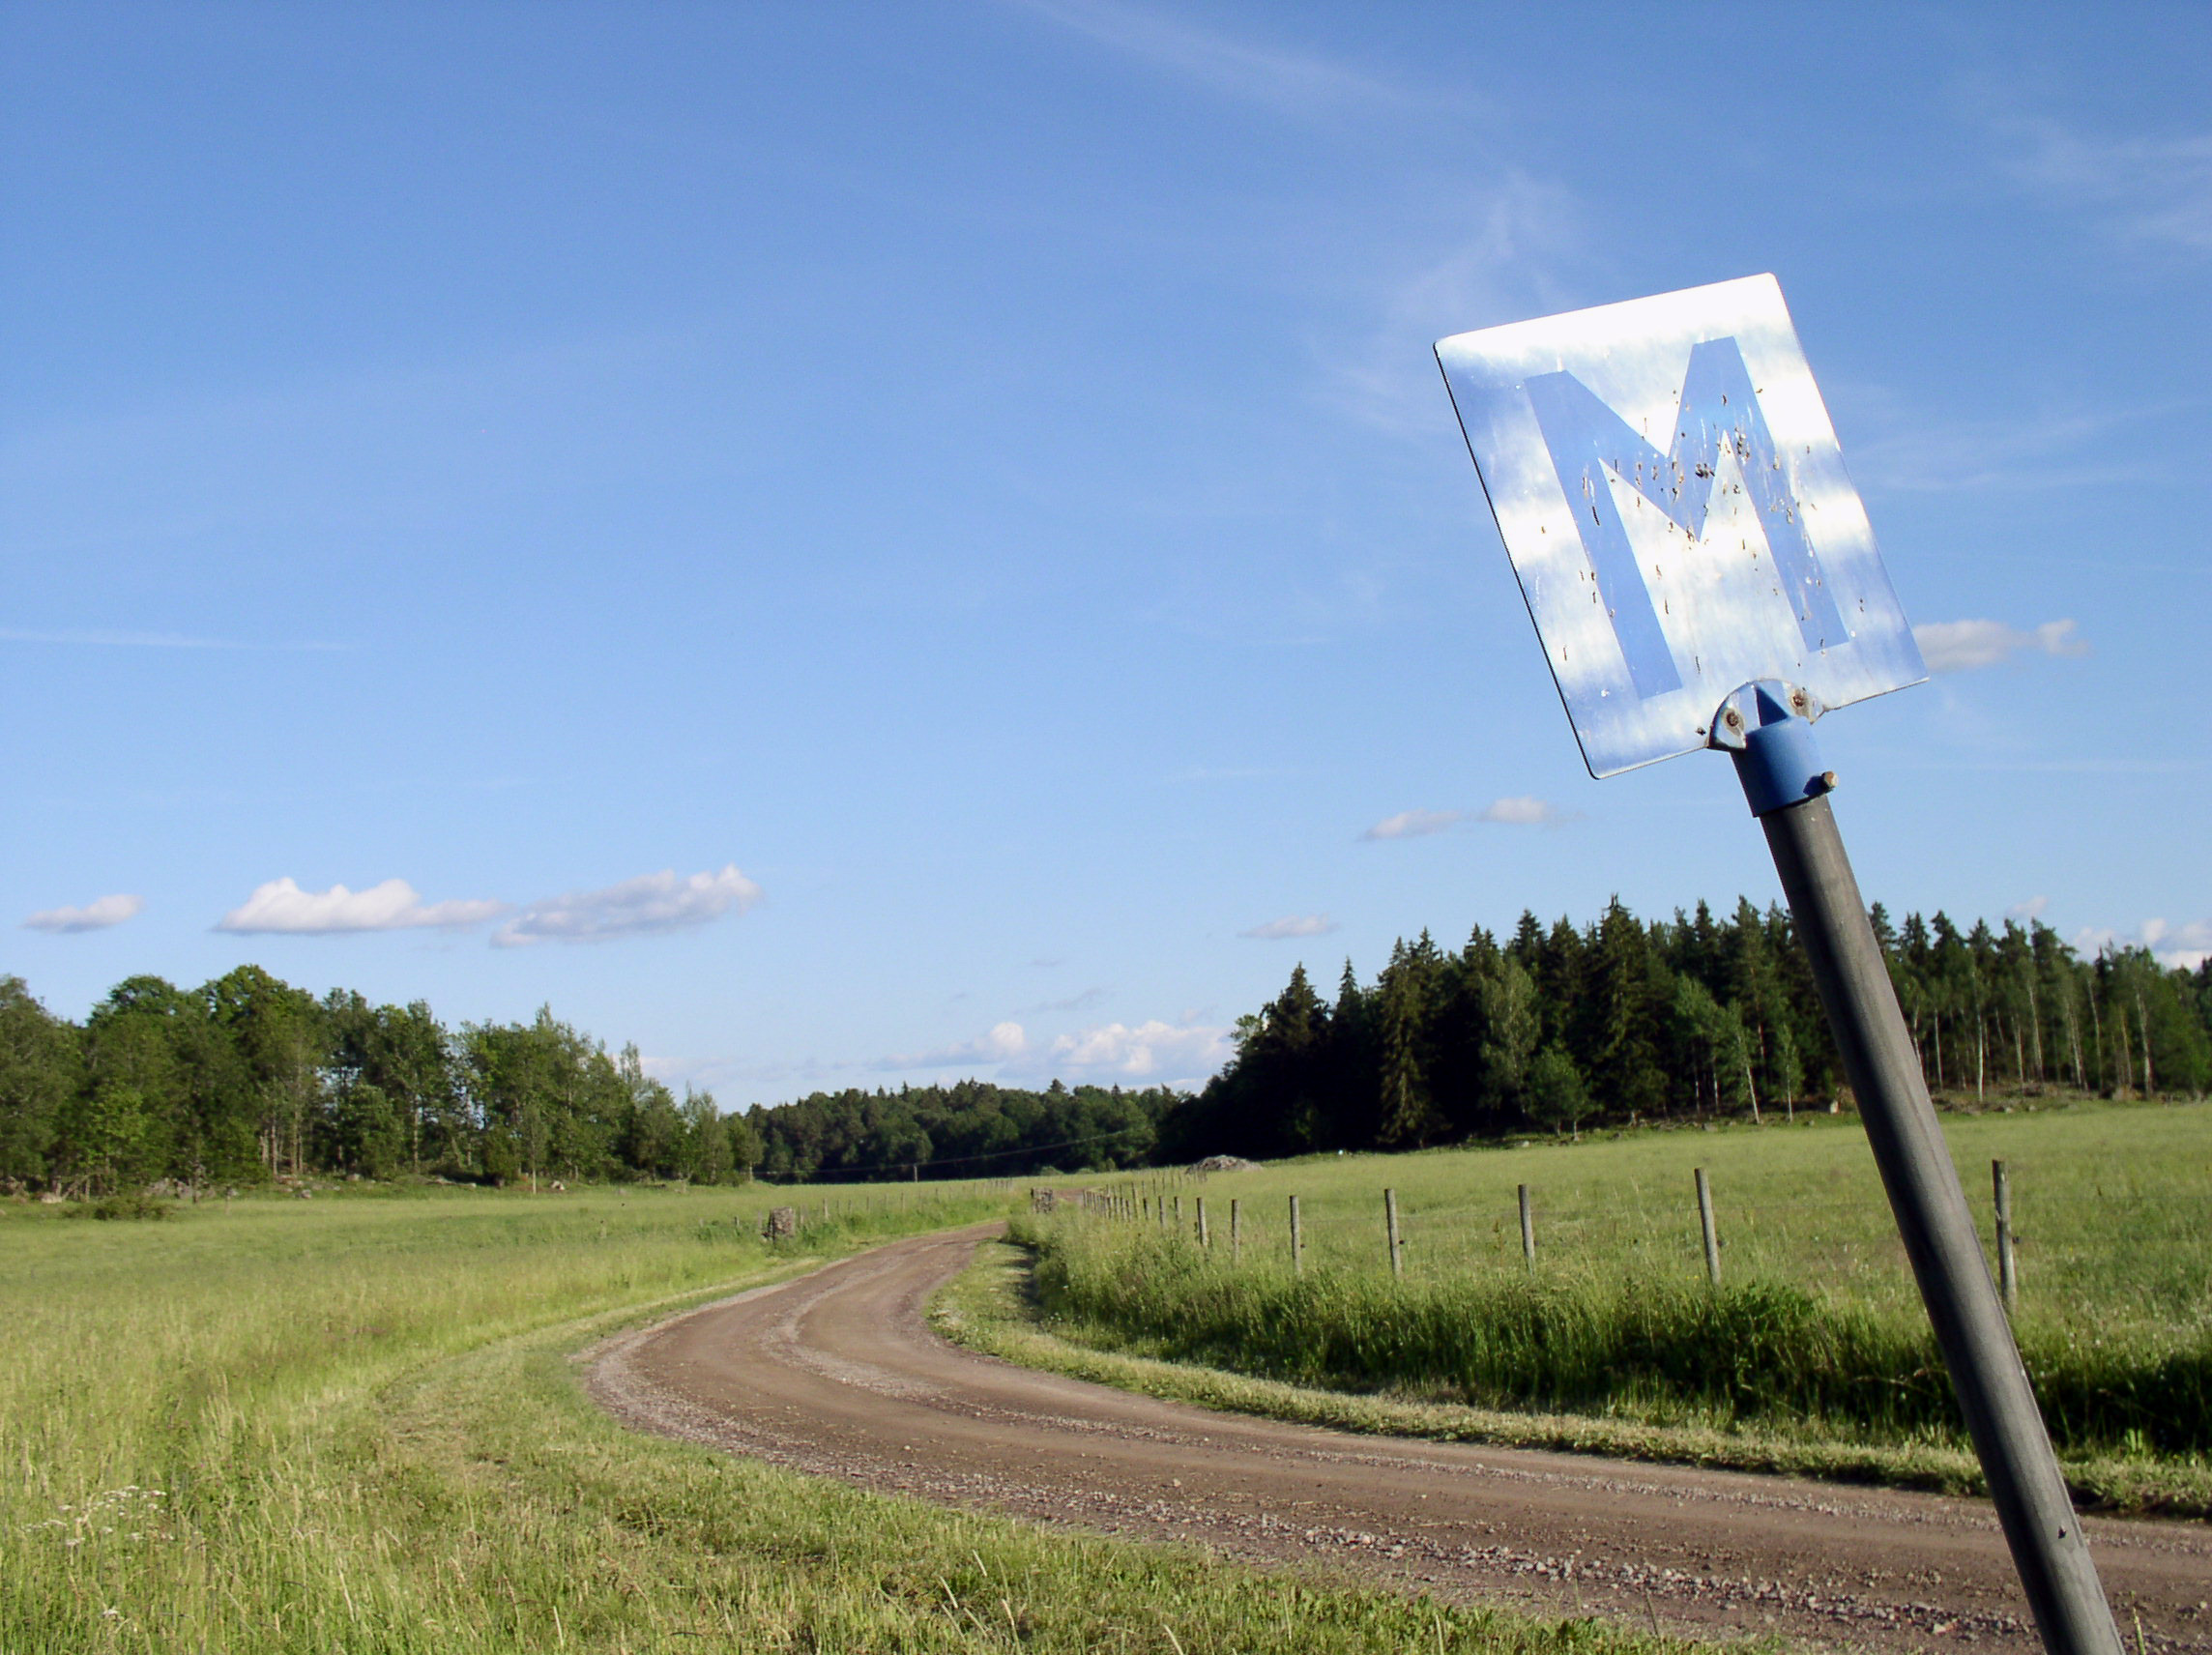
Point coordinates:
[(837, 1372)]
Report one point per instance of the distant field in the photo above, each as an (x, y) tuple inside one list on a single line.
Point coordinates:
[(353, 1424), (1817, 1329)]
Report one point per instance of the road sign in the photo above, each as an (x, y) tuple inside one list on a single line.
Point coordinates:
[(1676, 508), (1702, 573)]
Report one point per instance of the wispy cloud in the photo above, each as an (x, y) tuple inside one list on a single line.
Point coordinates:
[(1524, 811), (1491, 265), (649, 904), (2034, 908), (1082, 1001), (1962, 646), (2146, 188), (1517, 811), (1295, 82), (1293, 926), (1233, 772), (1414, 824), (1912, 451), (152, 641), (97, 915), (281, 908)]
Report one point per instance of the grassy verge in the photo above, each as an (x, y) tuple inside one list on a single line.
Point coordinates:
[(1815, 1329), (357, 1426)]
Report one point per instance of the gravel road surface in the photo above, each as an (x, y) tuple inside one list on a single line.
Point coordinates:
[(838, 1373)]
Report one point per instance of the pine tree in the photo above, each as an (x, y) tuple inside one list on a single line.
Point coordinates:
[(1354, 1078), (1408, 1114), (1622, 998)]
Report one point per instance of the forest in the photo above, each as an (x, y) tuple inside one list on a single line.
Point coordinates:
[(970, 1130), (250, 1080), (1621, 1020)]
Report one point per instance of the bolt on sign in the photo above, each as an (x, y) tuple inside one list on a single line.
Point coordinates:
[(1675, 505)]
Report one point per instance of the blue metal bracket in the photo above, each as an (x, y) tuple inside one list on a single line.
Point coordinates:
[(1776, 758)]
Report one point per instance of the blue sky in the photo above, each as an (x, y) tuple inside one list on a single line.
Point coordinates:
[(852, 543)]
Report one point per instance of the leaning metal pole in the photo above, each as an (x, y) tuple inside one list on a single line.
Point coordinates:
[(1783, 779)]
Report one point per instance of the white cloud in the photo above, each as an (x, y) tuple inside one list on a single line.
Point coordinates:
[(1414, 823), (1524, 811), (1293, 926), (97, 915), (2187, 945), (1176, 1053), (1962, 646), (281, 906), (640, 907), (1185, 1054), (2032, 908), (1005, 1042)]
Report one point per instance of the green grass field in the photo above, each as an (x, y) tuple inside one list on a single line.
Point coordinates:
[(1816, 1333), (353, 1424)]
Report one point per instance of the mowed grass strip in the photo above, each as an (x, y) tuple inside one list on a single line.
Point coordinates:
[(1816, 1331), (356, 1425)]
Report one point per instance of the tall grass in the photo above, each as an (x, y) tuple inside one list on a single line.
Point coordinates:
[(1815, 1328), (354, 1425)]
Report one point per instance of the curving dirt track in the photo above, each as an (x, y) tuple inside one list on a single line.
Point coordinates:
[(838, 1373)]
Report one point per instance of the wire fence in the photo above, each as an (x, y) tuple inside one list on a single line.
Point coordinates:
[(2112, 1244)]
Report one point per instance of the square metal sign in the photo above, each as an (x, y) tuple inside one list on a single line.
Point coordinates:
[(1674, 503)]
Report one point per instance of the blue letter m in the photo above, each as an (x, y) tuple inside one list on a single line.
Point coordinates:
[(1719, 411)]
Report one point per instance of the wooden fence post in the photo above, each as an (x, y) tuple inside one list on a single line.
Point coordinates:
[(1528, 1229), (2008, 1274), (1705, 1224), (1236, 1229), (1298, 1241), (1205, 1239), (1390, 1229)]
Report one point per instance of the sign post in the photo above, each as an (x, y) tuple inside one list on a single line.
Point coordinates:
[(1702, 575)]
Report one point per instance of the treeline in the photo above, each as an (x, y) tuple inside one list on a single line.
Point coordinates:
[(247, 1079), (973, 1129), (1557, 1026)]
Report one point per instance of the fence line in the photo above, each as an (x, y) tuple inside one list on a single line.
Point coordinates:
[(1451, 1235)]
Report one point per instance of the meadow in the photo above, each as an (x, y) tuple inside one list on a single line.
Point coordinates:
[(355, 1424), (1815, 1334)]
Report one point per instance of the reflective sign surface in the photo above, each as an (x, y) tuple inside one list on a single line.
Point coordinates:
[(1675, 505)]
